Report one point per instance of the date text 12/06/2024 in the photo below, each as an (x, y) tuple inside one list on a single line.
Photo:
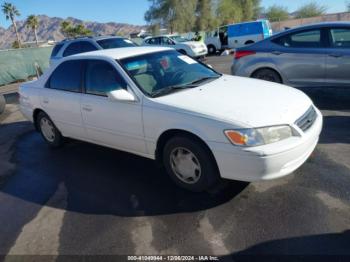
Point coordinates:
[(173, 258)]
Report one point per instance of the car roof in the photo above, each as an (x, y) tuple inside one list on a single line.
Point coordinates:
[(124, 52), (107, 37), (93, 38), (165, 35), (316, 25)]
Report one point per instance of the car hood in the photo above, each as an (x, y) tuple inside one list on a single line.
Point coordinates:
[(242, 101)]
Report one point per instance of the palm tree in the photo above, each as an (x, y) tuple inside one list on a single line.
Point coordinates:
[(33, 23), (11, 12)]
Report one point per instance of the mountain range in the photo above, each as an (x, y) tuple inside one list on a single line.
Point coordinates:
[(49, 29)]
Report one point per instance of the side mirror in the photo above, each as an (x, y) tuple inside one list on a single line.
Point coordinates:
[(210, 66), (121, 95)]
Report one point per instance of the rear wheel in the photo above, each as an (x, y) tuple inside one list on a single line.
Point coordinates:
[(211, 49), (189, 164), (267, 75), (48, 130)]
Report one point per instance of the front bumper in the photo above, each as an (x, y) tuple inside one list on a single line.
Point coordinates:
[(240, 69), (199, 52), (269, 161)]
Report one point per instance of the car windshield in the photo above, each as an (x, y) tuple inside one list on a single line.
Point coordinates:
[(115, 43), (179, 39), (164, 72)]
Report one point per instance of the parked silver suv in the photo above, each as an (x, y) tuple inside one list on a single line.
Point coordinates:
[(78, 45)]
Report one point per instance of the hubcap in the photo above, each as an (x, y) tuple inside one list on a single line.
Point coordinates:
[(47, 129), (267, 77), (185, 165)]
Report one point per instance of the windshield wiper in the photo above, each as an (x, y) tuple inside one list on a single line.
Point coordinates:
[(203, 79), (193, 84), (169, 89)]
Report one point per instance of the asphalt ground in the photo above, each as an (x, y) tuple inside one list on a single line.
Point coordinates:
[(84, 199)]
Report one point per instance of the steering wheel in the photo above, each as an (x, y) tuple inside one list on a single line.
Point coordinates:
[(177, 76)]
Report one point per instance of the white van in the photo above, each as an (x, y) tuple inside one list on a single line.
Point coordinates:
[(237, 35)]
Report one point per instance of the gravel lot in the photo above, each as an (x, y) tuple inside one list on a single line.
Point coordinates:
[(86, 199)]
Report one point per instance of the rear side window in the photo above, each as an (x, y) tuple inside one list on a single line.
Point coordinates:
[(87, 47), (305, 39), (56, 49), (79, 47), (101, 77), (340, 37), (72, 49), (67, 77)]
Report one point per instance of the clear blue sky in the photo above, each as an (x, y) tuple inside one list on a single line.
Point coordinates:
[(126, 11)]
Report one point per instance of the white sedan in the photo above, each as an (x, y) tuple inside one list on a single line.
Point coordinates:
[(163, 105), (181, 44)]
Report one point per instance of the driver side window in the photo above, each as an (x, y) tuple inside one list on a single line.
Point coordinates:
[(101, 77)]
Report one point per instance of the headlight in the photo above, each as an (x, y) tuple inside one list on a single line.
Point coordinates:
[(258, 136), (193, 46)]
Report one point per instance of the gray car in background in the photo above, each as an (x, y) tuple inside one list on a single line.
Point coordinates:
[(314, 55)]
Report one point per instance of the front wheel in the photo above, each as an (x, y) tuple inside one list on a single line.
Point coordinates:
[(49, 131), (190, 164)]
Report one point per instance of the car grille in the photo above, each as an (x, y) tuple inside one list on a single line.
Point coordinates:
[(307, 120)]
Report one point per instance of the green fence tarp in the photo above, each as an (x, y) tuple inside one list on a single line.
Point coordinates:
[(19, 64)]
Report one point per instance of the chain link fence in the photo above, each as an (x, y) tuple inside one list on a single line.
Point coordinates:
[(20, 64)]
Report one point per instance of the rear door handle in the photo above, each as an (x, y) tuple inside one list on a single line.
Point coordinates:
[(87, 108), (335, 55), (276, 53), (45, 100)]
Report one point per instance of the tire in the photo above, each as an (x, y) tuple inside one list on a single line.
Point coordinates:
[(197, 170), (182, 52), (267, 75), (211, 49), (2, 104), (49, 131)]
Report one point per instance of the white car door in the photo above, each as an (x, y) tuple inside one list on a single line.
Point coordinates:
[(109, 122), (60, 98)]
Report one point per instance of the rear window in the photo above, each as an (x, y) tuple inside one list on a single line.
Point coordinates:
[(115, 43), (56, 49)]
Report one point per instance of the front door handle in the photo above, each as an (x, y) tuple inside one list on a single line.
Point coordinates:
[(276, 53), (335, 55), (45, 100), (87, 108)]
